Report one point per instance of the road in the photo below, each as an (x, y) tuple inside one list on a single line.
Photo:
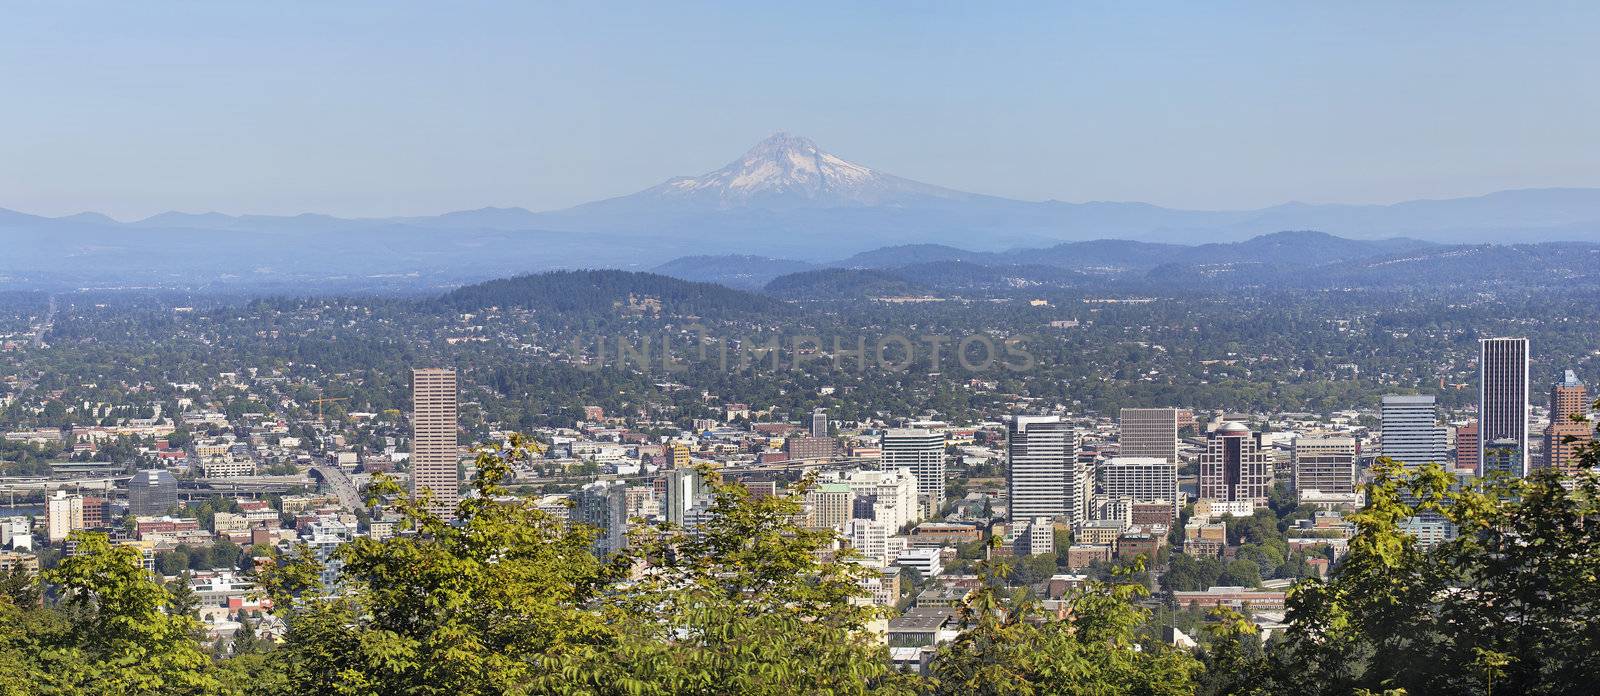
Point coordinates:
[(333, 477), (45, 326)]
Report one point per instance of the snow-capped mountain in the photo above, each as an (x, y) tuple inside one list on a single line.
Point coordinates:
[(784, 199), (786, 170)]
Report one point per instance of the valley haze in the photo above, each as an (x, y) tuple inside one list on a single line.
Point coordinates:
[(785, 206)]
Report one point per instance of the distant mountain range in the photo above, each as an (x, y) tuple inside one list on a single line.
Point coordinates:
[(1307, 260), (1277, 261), (785, 201), (1067, 263)]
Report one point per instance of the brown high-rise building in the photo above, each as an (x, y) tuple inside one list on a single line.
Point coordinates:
[(1234, 467), (1563, 436), (1503, 398), (1467, 447), (1149, 432), (809, 447), (435, 451)]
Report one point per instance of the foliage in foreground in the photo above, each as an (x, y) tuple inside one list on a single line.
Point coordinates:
[(511, 600)]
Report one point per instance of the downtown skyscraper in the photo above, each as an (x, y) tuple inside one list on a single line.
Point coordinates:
[(1563, 437), (921, 451), (819, 423), (1046, 478), (1411, 430), (1234, 467), (1325, 463), (435, 451), (1141, 479), (1148, 432), (1503, 400)]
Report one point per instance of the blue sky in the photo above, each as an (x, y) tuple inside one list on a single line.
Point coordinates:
[(390, 108)]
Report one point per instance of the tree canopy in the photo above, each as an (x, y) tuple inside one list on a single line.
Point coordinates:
[(508, 598)]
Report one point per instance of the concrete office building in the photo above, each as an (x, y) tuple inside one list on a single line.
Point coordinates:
[(831, 505), (1149, 432), (887, 495), (1504, 455), (63, 515), (152, 492), (921, 451), (1503, 398), (1046, 476), (806, 447), (1564, 436), (819, 423), (435, 451), (1140, 479), (1325, 464), (683, 487), (604, 506), (1411, 430), (676, 455), (1467, 446)]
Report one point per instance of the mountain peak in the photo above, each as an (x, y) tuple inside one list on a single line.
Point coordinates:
[(783, 142), (787, 170)]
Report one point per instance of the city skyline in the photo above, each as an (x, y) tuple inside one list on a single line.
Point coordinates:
[(716, 348)]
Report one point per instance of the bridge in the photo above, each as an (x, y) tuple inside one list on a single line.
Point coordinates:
[(334, 478), (240, 486), (44, 484), (782, 466)]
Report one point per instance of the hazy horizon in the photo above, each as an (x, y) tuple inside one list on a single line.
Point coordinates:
[(374, 110)]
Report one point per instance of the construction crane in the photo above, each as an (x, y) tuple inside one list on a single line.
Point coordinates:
[(326, 400)]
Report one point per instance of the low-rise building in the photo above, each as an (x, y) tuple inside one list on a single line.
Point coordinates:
[(934, 534), (1097, 532), (927, 562), (922, 625), (1230, 596), (1080, 556)]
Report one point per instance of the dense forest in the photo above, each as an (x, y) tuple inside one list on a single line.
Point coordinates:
[(843, 283)]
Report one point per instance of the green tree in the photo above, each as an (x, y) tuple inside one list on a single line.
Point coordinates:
[(491, 604), (1235, 662), (1241, 572), (744, 603), (245, 640), (1011, 648), (120, 636), (183, 601), (1495, 605), (21, 586)]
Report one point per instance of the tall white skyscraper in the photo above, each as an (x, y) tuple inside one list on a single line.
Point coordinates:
[(435, 451), (683, 486), (1149, 432), (1046, 478), (819, 423), (63, 514), (1411, 430), (1503, 397), (921, 451)]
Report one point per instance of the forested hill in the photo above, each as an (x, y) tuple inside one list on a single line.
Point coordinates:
[(842, 283), (607, 291)]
